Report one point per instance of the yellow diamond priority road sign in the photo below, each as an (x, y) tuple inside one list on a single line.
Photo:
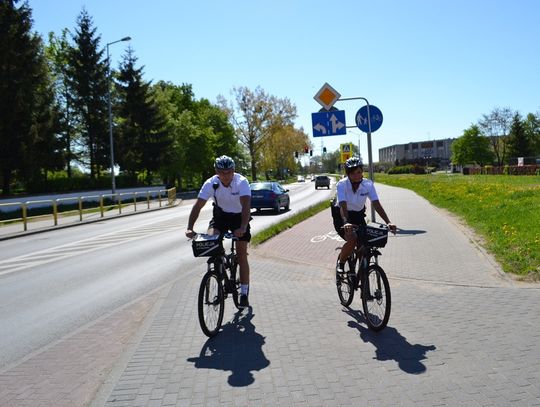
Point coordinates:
[(327, 96)]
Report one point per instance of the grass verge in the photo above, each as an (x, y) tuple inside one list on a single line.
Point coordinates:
[(504, 210)]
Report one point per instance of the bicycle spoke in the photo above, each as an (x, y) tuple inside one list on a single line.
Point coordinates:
[(376, 298), (211, 304), (345, 283)]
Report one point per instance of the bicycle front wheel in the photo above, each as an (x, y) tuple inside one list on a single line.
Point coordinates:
[(376, 299), (235, 284), (211, 303), (345, 283)]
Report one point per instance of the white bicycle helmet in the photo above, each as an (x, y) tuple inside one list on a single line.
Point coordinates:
[(224, 163)]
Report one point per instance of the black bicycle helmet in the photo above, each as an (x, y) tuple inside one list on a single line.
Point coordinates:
[(224, 163), (353, 162)]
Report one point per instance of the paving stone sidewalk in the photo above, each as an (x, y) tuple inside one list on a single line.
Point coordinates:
[(460, 333)]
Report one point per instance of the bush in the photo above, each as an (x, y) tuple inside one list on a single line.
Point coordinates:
[(80, 184), (407, 169)]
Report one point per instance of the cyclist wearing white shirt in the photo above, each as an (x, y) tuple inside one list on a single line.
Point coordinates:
[(232, 211), (352, 193)]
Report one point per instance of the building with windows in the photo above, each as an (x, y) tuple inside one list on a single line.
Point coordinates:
[(423, 152)]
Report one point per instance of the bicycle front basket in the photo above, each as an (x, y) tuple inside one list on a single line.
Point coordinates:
[(206, 245), (373, 234)]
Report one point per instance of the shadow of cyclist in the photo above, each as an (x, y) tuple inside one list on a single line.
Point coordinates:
[(391, 345), (409, 232), (237, 348)]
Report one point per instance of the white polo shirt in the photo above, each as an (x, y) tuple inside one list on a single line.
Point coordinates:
[(356, 201), (227, 198)]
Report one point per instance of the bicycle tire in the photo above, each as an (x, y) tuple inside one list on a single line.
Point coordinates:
[(345, 284), (235, 278), (377, 302), (211, 303)]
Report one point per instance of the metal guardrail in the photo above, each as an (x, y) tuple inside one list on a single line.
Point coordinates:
[(167, 195)]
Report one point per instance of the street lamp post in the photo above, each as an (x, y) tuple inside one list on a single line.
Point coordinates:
[(113, 181)]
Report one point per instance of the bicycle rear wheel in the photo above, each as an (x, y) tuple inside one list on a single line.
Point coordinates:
[(211, 303), (376, 299), (345, 283)]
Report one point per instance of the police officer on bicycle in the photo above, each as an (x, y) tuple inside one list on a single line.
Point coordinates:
[(349, 208), (232, 212)]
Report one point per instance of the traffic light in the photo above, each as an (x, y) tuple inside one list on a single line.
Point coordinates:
[(296, 154), (306, 149), (310, 153), (324, 149)]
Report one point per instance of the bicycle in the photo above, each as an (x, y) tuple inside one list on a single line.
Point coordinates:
[(362, 272), (220, 280)]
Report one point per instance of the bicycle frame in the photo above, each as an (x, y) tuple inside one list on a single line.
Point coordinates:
[(223, 263), (363, 256)]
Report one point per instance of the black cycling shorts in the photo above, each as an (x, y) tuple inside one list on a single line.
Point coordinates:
[(228, 222), (355, 217)]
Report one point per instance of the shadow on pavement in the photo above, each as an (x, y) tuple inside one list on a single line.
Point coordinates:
[(268, 212), (391, 345), (237, 348), (409, 232)]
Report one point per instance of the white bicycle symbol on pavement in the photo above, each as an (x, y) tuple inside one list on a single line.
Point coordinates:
[(330, 235)]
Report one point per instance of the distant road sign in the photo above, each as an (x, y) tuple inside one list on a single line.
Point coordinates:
[(362, 118), (329, 123), (345, 151), (327, 96)]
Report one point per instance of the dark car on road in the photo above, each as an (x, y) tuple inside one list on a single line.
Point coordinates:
[(269, 195), (322, 181)]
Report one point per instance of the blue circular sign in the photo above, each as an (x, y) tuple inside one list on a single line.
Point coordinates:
[(375, 116)]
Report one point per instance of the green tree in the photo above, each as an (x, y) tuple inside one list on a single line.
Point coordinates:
[(277, 149), (519, 145), (88, 85), (57, 52), (496, 126), (532, 130), (255, 115), (27, 112), (142, 140), (200, 132), (471, 148)]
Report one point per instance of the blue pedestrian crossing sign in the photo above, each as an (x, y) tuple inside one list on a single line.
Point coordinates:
[(362, 118), (330, 123)]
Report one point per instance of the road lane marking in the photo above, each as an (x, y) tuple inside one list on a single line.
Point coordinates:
[(89, 245)]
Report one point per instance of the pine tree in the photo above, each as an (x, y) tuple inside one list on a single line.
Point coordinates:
[(519, 143), (88, 84), (57, 52), (142, 139), (27, 113)]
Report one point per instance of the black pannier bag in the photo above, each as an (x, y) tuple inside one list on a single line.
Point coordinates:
[(336, 214), (374, 234), (206, 245)]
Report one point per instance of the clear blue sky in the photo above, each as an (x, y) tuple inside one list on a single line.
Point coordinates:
[(432, 67)]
